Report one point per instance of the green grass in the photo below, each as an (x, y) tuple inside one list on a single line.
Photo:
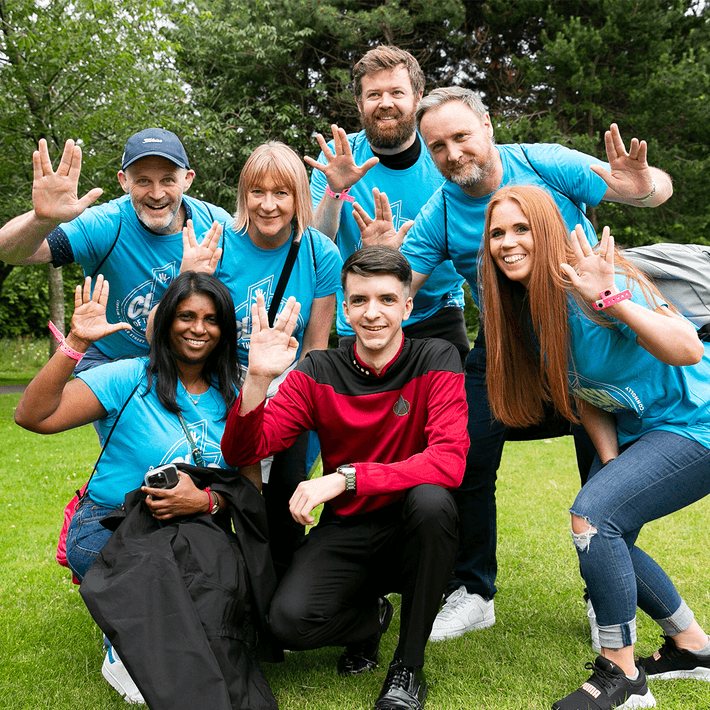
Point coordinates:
[(21, 358), (51, 652)]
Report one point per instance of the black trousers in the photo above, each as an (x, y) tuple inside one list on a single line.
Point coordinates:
[(328, 596)]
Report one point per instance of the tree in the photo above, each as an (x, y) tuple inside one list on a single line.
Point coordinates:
[(92, 70)]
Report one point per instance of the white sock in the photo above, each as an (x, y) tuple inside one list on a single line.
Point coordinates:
[(634, 676)]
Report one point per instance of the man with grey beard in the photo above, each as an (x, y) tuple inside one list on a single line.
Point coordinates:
[(458, 132)]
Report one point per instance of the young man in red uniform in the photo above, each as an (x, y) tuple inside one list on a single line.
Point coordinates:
[(390, 413)]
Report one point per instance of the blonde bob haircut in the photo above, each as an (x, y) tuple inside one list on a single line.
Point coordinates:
[(275, 161), (526, 329)]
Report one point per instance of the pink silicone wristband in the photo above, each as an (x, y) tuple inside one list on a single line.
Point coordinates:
[(606, 299), (68, 351), (339, 195)]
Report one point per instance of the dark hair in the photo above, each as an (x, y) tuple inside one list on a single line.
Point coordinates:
[(387, 57), (377, 259), (220, 367)]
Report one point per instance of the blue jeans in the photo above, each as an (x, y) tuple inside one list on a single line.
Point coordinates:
[(476, 564), (653, 477), (86, 536)]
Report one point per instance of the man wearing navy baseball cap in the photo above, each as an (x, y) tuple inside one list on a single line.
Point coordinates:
[(135, 241)]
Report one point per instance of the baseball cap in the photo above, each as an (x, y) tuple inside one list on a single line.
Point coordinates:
[(154, 141)]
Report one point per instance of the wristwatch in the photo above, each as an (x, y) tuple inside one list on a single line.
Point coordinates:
[(348, 470)]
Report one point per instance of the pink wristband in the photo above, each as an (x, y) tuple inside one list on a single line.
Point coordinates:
[(339, 195), (606, 299), (69, 352)]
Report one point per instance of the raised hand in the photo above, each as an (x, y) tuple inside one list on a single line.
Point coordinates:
[(54, 194), (202, 257), (89, 324), (381, 229), (272, 350), (341, 171), (630, 175), (594, 271)]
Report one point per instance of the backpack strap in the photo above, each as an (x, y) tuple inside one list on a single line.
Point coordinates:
[(550, 185), (98, 268), (108, 438), (446, 226), (283, 280)]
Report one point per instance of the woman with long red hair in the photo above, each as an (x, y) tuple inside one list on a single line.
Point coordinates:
[(582, 329)]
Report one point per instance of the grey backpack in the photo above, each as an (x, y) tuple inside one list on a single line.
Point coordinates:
[(681, 273)]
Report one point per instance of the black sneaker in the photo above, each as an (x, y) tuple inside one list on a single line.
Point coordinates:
[(364, 655), (404, 688), (608, 688), (673, 662)]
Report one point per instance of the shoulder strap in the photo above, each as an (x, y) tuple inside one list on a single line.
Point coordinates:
[(446, 225), (283, 280), (98, 268), (549, 184), (108, 438)]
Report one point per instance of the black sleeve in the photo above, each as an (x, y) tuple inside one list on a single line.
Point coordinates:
[(60, 248)]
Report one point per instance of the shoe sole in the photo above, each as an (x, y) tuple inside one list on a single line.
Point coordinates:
[(638, 701), (695, 674), (460, 632), (115, 683)]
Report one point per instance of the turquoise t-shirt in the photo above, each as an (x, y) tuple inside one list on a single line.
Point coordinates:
[(408, 191), (147, 435), (139, 268), (247, 270), (611, 371), (451, 224)]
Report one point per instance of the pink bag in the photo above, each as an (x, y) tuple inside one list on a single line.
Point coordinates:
[(68, 515)]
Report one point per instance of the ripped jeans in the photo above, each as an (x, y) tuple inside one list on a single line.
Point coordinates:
[(656, 475)]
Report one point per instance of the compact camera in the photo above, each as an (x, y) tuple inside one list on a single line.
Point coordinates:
[(162, 477)]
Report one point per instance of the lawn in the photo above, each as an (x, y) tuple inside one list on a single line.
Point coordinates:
[(51, 652)]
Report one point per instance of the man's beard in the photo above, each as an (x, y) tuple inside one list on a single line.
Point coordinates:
[(393, 136), (471, 173)]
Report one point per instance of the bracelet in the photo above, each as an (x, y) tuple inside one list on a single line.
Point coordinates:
[(650, 194), (339, 195), (68, 351), (215, 505), (209, 499), (607, 298)]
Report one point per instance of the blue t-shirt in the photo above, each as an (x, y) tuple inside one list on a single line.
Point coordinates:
[(247, 270), (451, 224), (147, 435), (408, 191), (611, 371), (139, 268)]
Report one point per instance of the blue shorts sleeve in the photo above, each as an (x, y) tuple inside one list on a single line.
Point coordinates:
[(424, 246), (328, 265)]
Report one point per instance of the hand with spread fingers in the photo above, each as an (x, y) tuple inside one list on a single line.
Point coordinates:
[(54, 193), (381, 229), (204, 256), (184, 499), (272, 350), (89, 324), (594, 271), (341, 171), (629, 175)]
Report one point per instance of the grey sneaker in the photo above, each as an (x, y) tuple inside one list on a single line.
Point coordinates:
[(118, 678), (462, 612)]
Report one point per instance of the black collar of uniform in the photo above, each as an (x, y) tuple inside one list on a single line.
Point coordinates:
[(366, 370)]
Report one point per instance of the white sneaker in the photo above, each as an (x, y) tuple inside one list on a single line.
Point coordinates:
[(118, 678), (593, 626), (462, 612)]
